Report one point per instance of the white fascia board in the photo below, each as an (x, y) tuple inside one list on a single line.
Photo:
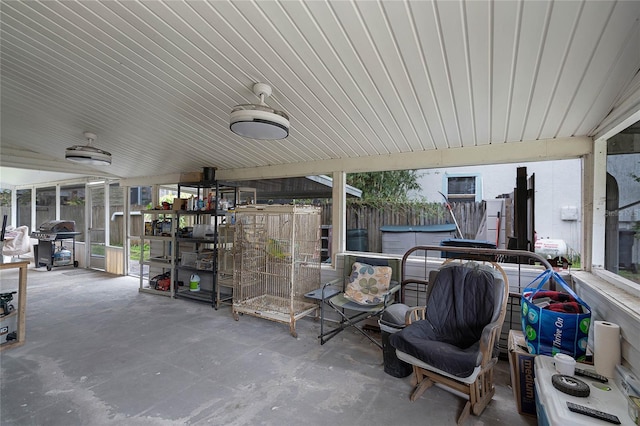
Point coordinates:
[(514, 152)]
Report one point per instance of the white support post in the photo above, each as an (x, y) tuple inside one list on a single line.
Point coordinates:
[(14, 209), (126, 229), (339, 215), (595, 175), (107, 218), (58, 202), (33, 209)]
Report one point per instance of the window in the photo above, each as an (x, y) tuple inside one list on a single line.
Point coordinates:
[(45, 205), (72, 196), (116, 207), (72, 202), (461, 188), (168, 193), (140, 197), (5, 204), (23, 211), (622, 222)]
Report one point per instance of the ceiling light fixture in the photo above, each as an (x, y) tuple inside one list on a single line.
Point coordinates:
[(86, 154), (259, 121)]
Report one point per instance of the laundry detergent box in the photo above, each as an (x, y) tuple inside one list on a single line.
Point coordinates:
[(521, 363)]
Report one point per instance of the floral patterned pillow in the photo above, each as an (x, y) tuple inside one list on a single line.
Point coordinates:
[(368, 284)]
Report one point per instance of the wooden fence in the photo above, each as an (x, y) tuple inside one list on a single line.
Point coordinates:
[(468, 215)]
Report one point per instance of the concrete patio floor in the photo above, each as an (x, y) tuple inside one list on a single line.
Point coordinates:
[(98, 352)]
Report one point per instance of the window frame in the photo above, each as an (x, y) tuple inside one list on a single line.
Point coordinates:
[(476, 197)]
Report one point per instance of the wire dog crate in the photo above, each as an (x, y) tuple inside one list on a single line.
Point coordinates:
[(278, 261)]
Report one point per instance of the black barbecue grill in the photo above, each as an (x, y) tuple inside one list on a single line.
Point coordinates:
[(49, 254)]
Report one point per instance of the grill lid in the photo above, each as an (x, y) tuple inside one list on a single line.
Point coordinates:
[(55, 226)]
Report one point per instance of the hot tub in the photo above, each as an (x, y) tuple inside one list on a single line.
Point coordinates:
[(398, 239)]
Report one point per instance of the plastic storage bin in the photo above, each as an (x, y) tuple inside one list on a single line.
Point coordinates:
[(552, 404), (189, 258), (203, 230), (357, 240)]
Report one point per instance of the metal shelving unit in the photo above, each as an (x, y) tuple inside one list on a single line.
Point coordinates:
[(197, 248), (160, 234), (205, 245), (325, 240), (226, 263)]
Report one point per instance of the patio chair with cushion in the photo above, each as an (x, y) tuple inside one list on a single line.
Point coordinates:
[(453, 339), (16, 241), (368, 286)]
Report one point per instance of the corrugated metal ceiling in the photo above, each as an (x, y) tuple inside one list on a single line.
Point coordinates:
[(156, 80)]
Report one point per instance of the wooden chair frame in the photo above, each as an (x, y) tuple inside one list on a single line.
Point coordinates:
[(479, 386)]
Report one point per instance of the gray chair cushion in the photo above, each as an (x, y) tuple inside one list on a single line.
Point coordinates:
[(462, 300)]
